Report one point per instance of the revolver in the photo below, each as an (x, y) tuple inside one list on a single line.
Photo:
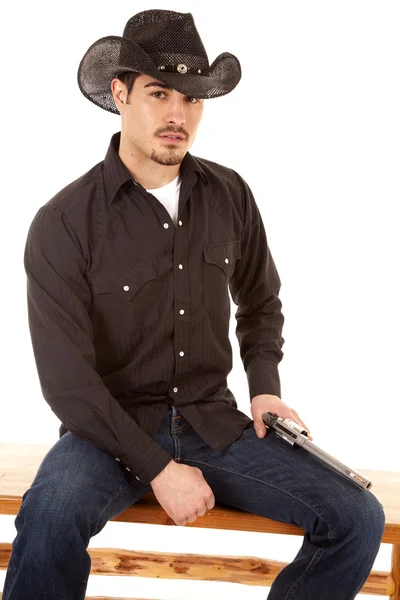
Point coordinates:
[(288, 430)]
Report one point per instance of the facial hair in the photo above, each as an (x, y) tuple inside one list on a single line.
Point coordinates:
[(166, 158)]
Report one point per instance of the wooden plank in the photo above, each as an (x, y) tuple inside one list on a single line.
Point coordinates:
[(395, 594), (248, 570), (149, 511), (20, 462)]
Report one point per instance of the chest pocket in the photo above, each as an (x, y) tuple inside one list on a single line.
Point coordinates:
[(218, 266), (128, 294)]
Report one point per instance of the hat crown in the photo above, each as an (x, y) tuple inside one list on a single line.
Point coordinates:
[(162, 44), (166, 34)]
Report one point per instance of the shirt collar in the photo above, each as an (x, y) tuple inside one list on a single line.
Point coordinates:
[(116, 173)]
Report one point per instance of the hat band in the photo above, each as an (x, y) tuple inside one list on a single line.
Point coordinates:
[(182, 68)]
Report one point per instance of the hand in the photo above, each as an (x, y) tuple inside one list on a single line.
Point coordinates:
[(183, 492), (270, 403)]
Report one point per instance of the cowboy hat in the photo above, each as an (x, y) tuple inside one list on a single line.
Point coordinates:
[(162, 44)]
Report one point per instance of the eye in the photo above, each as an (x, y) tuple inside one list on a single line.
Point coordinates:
[(196, 100)]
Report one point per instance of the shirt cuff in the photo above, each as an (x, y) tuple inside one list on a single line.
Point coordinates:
[(153, 459), (263, 378)]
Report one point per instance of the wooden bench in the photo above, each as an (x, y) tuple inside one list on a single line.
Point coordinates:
[(20, 462)]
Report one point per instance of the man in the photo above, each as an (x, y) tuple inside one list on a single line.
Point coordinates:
[(128, 273)]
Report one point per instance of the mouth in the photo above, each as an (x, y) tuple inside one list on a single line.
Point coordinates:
[(171, 139)]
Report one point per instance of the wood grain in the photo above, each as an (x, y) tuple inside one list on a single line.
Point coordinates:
[(20, 462)]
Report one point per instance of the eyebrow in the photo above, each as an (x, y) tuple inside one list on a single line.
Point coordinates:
[(158, 84)]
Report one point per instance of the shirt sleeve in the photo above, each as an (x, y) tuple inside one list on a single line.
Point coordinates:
[(58, 299), (254, 287)]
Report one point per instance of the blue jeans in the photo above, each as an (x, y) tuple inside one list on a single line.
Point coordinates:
[(78, 488)]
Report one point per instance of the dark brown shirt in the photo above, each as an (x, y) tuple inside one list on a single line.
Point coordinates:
[(128, 312)]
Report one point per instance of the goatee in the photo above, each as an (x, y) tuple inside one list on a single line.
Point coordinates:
[(166, 158)]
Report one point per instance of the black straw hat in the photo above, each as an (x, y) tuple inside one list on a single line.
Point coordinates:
[(162, 44)]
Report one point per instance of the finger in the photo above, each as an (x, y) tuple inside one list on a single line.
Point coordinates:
[(210, 503), (260, 428), (191, 518), (201, 512), (309, 436), (299, 421), (302, 424)]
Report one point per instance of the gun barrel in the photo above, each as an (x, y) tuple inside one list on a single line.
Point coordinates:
[(336, 464)]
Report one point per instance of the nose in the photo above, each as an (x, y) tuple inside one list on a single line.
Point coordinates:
[(176, 113)]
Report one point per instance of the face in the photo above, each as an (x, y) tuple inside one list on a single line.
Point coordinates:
[(153, 110)]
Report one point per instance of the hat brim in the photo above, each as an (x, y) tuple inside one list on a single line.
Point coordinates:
[(101, 64)]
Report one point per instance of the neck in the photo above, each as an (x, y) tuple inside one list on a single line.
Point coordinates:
[(150, 174)]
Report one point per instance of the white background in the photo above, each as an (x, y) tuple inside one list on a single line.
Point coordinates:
[(314, 128)]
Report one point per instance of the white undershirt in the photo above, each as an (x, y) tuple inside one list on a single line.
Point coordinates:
[(168, 195)]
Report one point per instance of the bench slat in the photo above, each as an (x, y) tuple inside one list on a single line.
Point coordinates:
[(246, 570), (20, 462)]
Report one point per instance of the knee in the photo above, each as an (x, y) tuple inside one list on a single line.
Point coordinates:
[(370, 514), (50, 510), (363, 515), (48, 526)]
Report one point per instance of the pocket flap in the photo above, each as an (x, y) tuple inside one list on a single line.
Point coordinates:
[(222, 254), (126, 281)]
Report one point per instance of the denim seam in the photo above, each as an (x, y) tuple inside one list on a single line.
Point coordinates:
[(111, 501), (178, 428), (308, 570), (271, 485), (177, 446)]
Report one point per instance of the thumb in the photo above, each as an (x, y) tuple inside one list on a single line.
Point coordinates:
[(260, 428)]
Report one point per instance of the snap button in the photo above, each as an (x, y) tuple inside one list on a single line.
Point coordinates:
[(126, 288), (182, 68), (175, 389), (181, 353), (182, 312), (227, 260), (166, 225), (180, 222), (180, 266)]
